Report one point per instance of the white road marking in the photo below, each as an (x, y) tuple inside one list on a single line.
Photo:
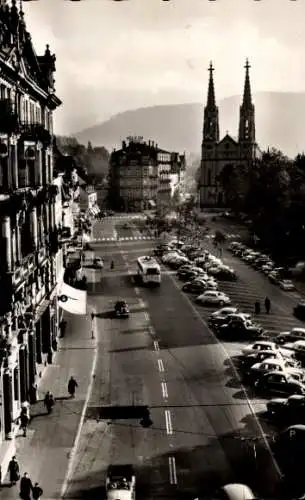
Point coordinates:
[(82, 419), (156, 345), (160, 365), (252, 410), (146, 316), (137, 291), (164, 390), (172, 470), (168, 422), (142, 303), (151, 331)]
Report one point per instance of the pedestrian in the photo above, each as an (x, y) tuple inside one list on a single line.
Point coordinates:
[(25, 487), (257, 307), (112, 265), (267, 305), (49, 401), (37, 492), (24, 420), (14, 472), (72, 384)]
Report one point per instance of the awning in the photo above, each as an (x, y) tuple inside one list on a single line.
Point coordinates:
[(42, 307), (90, 211)]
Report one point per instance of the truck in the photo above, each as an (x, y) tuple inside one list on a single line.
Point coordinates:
[(120, 482)]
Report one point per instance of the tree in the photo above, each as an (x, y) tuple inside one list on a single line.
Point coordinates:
[(234, 182)]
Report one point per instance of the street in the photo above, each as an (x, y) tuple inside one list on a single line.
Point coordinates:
[(205, 429)]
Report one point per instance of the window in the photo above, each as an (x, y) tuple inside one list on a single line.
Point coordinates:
[(209, 180)]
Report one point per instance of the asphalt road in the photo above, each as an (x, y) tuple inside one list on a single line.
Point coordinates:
[(205, 430)]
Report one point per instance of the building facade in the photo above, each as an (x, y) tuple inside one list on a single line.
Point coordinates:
[(29, 239), (140, 175), (216, 153)]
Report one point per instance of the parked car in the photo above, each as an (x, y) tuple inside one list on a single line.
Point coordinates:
[(239, 328), (288, 367), (234, 491), (287, 410), (295, 334), (248, 361), (279, 382), (286, 285), (299, 310), (195, 286), (222, 313), (218, 321), (260, 345), (213, 297)]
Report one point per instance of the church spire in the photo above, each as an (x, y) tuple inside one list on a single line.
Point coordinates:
[(211, 91), (247, 99), (210, 122), (246, 117)]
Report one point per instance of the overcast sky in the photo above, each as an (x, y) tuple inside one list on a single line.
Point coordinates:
[(115, 56)]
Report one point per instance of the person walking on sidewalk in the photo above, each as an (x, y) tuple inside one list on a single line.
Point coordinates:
[(267, 305), (24, 420), (37, 492), (25, 487), (72, 384), (14, 472), (112, 264), (49, 401)]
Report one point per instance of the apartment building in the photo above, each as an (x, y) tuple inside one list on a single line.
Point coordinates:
[(29, 238)]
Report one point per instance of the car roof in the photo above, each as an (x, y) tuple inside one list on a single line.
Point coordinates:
[(236, 491)]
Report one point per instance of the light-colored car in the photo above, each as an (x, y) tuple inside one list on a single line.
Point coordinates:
[(287, 366), (224, 312), (213, 297), (260, 345), (287, 285), (267, 345), (235, 491), (295, 334)]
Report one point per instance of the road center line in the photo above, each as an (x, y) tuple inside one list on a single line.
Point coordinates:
[(172, 470), (168, 422), (160, 365), (164, 390), (156, 345), (146, 316)]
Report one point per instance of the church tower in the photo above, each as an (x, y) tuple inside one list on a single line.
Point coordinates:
[(246, 134), (210, 121), (210, 138)]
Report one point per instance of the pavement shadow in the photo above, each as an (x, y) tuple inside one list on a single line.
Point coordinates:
[(233, 359), (233, 383), (201, 470)]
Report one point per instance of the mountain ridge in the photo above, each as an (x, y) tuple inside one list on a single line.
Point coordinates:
[(178, 127)]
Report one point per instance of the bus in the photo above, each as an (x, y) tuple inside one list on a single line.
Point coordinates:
[(149, 271)]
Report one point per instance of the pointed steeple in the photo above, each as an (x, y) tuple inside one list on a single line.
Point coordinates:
[(247, 98), (211, 91), (210, 122), (246, 118)]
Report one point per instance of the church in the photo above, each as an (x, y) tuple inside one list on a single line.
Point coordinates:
[(216, 153)]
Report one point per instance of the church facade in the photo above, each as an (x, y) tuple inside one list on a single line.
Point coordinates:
[(217, 153)]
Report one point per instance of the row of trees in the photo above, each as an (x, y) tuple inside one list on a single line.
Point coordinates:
[(272, 195), (93, 160)]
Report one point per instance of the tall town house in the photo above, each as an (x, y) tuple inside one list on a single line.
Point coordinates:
[(29, 238), (216, 153), (142, 175)]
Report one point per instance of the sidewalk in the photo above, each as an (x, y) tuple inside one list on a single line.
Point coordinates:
[(45, 452)]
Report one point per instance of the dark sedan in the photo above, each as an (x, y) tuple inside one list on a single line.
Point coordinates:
[(240, 329), (196, 287), (280, 383)]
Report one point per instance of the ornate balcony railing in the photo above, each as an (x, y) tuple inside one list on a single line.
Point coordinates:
[(35, 132)]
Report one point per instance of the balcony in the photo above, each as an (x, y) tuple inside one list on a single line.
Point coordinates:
[(8, 117), (35, 132)]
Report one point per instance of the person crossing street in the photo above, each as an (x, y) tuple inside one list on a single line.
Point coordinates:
[(14, 472), (267, 305)]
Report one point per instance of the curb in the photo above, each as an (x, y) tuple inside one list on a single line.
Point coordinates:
[(73, 450)]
